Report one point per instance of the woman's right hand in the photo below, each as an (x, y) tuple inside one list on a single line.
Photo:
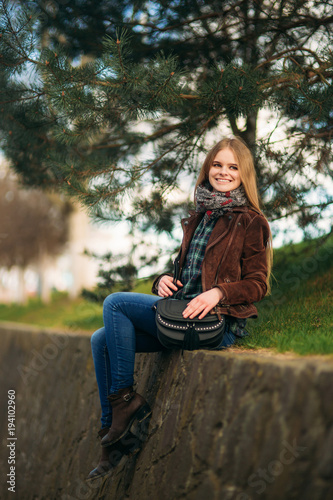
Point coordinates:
[(166, 286)]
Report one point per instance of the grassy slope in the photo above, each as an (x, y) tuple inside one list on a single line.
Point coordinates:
[(60, 313), (297, 316)]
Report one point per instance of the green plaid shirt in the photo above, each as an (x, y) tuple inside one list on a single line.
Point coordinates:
[(191, 273)]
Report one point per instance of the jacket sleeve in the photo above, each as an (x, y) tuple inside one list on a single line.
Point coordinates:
[(176, 272), (252, 287)]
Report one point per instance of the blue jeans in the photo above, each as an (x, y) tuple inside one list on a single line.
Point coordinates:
[(129, 327)]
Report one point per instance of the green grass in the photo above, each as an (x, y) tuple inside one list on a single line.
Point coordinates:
[(73, 315), (297, 316), (60, 313)]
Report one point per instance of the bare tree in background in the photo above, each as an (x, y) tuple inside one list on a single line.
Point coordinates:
[(33, 228)]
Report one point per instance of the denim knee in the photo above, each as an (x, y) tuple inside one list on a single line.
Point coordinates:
[(97, 339), (113, 300)]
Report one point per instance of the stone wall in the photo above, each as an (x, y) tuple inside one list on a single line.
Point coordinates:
[(225, 426)]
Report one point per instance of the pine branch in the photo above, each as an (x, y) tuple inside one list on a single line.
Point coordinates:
[(288, 51), (321, 206), (211, 15)]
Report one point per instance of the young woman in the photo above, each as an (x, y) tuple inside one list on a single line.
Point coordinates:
[(224, 264)]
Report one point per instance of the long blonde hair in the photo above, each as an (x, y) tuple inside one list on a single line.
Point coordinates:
[(248, 178)]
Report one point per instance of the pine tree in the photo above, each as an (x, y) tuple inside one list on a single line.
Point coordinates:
[(115, 104)]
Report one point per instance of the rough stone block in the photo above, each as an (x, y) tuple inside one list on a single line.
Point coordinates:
[(227, 425)]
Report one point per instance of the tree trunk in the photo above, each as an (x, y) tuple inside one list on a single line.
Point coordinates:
[(250, 134), (44, 288), (21, 293)]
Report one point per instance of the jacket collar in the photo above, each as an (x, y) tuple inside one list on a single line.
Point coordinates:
[(189, 225)]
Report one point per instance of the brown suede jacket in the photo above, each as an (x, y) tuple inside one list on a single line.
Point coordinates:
[(234, 261)]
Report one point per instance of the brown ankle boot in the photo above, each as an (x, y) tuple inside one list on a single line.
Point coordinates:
[(111, 455), (127, 406)]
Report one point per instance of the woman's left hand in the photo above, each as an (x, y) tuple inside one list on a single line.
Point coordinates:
[(203, 303)]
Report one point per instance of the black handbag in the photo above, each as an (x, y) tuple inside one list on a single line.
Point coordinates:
[(176, 332)]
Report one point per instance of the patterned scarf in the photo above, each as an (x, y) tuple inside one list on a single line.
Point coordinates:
[(217, 202)]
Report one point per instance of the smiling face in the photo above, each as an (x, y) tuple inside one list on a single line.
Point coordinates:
[(224, 173)]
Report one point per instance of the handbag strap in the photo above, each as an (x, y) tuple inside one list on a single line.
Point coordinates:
[(176, 267)]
